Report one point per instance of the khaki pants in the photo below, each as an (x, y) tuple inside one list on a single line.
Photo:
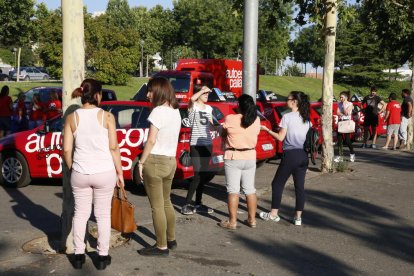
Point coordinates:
[(159, 172)]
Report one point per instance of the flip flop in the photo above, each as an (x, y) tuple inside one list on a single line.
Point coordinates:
[(226, 224)]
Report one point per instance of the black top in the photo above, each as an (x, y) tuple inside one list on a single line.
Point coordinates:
[(404, 106), (372, 105)]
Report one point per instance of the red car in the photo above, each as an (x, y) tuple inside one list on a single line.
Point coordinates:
[(274, 110), (36, 153), (266, 146)]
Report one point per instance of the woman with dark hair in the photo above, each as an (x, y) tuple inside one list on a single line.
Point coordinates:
[(36, 112), (53, 106), (95, 168), (293, 129), (157, 163), (6, 111), (242, 131), (201, 120), (344, 113)]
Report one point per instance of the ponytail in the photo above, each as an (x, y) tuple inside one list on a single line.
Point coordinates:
[(87, 91), (303, 104)]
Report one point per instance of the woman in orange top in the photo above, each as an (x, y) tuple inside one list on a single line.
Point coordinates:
[(240, 160)]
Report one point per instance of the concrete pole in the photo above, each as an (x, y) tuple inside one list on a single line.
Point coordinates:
[(251, 12), (327, 88), (73, 75), (18, 64)]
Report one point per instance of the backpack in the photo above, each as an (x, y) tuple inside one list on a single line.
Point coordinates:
[(311, 144)]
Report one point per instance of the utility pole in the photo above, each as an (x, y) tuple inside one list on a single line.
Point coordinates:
[(251, 15), (327, 89), (73, 75)]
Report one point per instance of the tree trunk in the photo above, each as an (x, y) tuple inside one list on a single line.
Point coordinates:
[(410, 138), (327, 89), (73, 75)]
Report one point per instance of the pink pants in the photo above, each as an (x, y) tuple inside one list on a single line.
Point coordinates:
[(98, 188)]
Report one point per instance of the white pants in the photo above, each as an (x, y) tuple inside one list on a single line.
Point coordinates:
[(404, 129)]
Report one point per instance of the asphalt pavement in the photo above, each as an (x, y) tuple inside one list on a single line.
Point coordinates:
[(355, 222)]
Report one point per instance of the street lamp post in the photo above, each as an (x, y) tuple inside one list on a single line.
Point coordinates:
[(14, 54), (141, 69)]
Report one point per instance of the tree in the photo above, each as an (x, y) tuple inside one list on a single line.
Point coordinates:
[(16, 27), (211, 27), (393, 22), (111, 51), (48, 26), (308, 46)]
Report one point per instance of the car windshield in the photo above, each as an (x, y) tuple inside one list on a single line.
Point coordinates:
[(127, 117), (180, 84)]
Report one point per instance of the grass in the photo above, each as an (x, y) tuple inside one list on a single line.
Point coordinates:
[(280, 85)]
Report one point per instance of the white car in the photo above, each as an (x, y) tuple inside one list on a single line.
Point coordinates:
[(30, 73)]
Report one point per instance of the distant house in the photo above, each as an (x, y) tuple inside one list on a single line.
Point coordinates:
[(5, 68)]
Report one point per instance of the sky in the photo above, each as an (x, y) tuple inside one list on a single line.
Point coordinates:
[(100, 5)]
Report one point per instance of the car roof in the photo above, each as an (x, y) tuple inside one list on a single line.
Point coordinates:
[(129, 103)]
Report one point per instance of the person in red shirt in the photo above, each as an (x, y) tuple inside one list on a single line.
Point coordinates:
[(6, 107), (393, 119), (54, 106), (36, 112)]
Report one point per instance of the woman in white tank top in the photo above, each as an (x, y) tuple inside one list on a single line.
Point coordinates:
[(95, 166)]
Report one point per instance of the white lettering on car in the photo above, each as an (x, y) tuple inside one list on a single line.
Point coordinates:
[(132, 138), (236, 78)]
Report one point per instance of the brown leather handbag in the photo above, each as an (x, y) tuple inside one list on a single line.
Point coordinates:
[(122, 212)]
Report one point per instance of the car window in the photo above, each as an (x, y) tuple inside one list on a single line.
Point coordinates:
[(56, 125), (127, 117), (29, 70), (180, 84), (282, 110), (217, 113)]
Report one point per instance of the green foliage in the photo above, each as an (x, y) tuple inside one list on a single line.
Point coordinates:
[(112, 52), (293, 71), (7, 56), (48, 26), (358, 53), (211, 27), (393, 23), (308, 47), (16, 25)]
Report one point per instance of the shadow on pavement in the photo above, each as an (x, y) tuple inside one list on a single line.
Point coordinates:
[(38, 216), (297, 258), (402, 161), (383, 230)]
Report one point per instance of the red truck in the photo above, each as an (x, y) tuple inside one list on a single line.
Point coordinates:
[(224, 74)]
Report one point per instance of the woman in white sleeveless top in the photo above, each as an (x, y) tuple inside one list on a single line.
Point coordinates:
[(95, 168)]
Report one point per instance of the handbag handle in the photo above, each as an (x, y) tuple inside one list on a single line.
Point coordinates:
[(119, 192)]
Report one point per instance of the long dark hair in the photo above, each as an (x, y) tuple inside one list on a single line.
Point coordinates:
[(87, 91), (4, 91), (162, 92), (247, 109), (303, 104)]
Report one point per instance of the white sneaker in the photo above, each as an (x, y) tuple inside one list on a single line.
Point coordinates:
[(338, 159), (297, 221), (267, 216), (352, 158)]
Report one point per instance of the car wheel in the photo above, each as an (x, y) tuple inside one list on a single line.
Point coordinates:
[(14, 170), (6, 79), (27, 78)]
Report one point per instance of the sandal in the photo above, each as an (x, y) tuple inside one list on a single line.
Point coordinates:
[(251, 224), (267, 216), (226, 224)]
